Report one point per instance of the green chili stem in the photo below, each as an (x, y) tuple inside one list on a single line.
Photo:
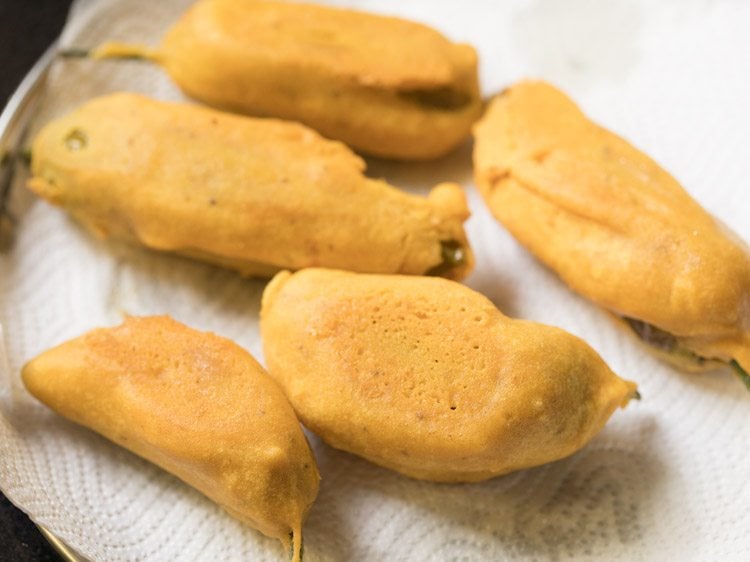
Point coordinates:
[(74, 53)]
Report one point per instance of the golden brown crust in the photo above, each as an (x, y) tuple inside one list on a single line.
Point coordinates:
[(342, 43), (383, 85), (256, 195), (193, 403), (427, 377), (615, 226)]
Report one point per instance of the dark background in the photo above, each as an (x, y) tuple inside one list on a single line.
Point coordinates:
[(27, 27)]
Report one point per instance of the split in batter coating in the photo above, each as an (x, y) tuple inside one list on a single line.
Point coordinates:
[(197, 405), (254, 195), (616, 227), (426, 377)]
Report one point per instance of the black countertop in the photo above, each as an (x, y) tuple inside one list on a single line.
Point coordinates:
[(27, 27)]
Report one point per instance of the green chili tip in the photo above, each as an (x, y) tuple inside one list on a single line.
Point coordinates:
[(25, 156), (452, 255), (664, 341), (741, 373), (76, 140), (668, 343), (445, 99)]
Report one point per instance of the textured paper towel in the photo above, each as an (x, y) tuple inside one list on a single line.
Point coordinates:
[(666, 480)]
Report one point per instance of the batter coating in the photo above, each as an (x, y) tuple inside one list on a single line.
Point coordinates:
[(383, 85), (426, 377), (254, 195), (616, 227), (195, 404)]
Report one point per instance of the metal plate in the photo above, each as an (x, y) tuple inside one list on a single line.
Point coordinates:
[(14, 122)]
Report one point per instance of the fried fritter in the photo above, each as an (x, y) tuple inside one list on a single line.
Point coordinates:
[(616, 227), (254, 195), (195, 404), (426, 377), (383, 85)]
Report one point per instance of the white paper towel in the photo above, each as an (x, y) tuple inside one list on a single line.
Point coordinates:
[(668, 478)]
